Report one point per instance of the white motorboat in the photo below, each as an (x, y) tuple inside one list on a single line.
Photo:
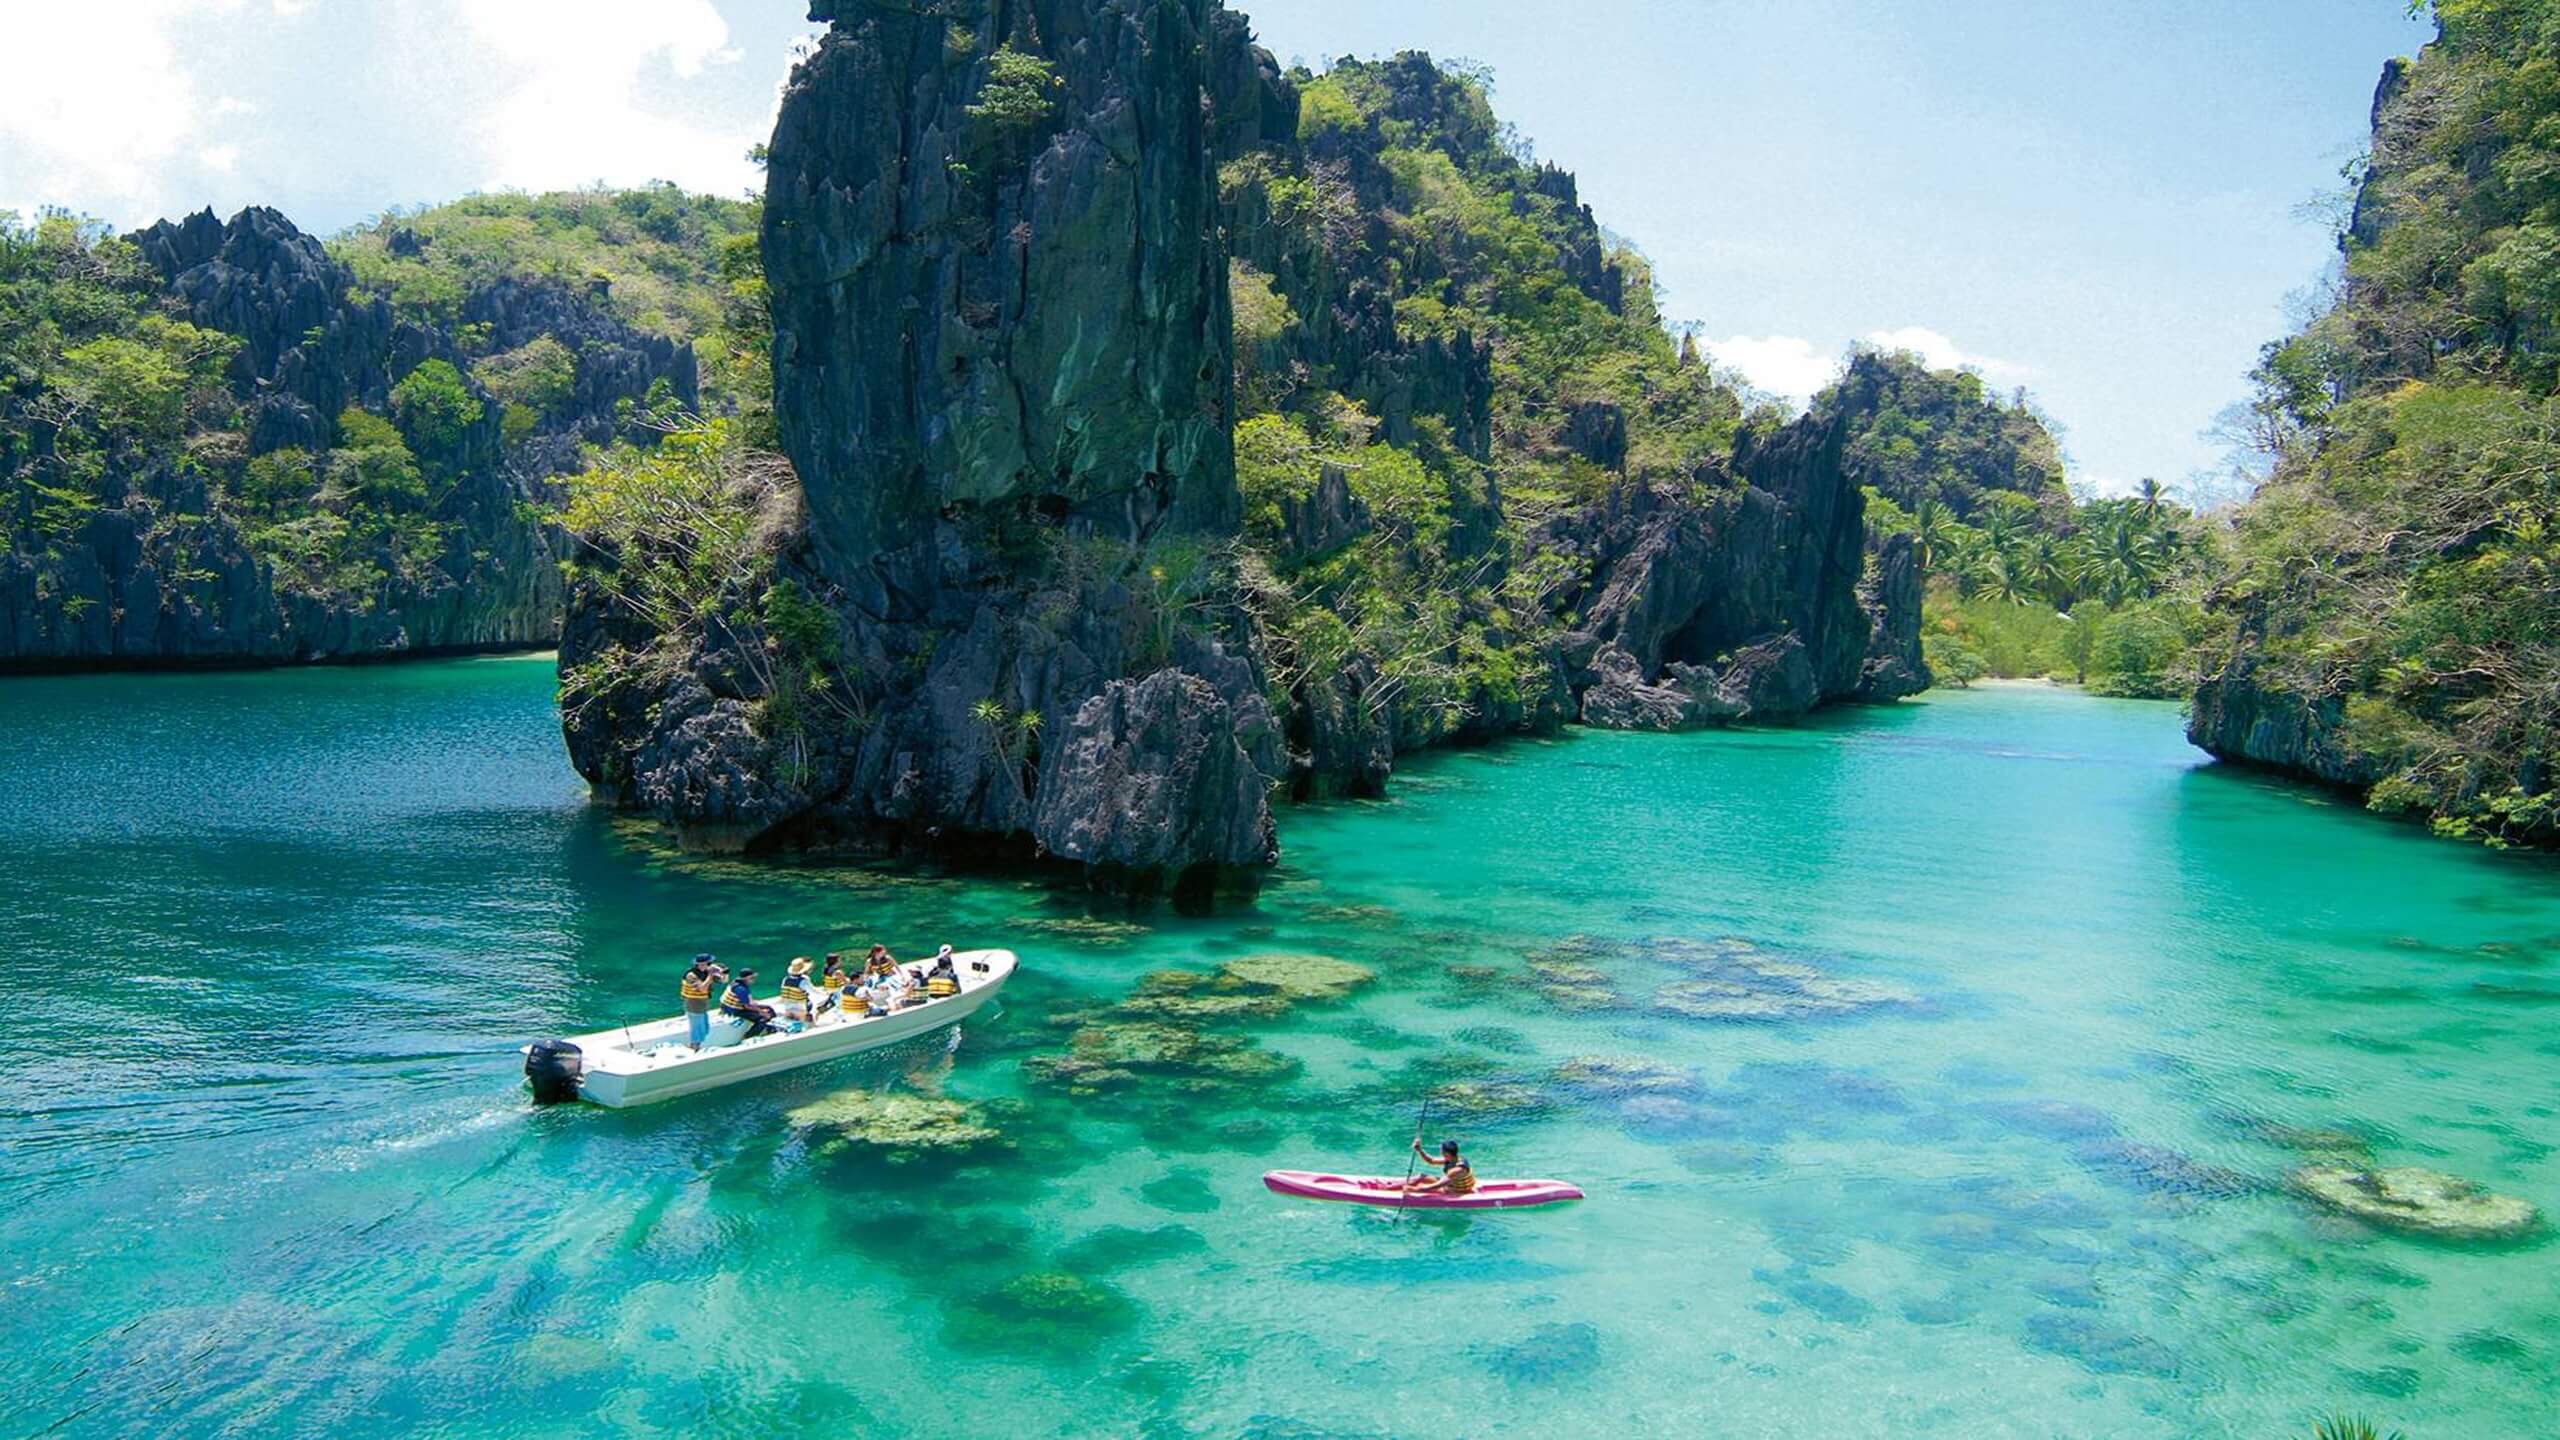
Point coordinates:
[(642, 1064)]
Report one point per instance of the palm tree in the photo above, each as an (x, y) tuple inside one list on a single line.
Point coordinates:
[(2122, 559), (2009, 579), (1934, 532), (1976, 562), (2152, 494), (2047, 567)]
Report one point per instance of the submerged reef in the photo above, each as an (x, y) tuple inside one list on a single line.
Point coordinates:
[(2418, 1202)]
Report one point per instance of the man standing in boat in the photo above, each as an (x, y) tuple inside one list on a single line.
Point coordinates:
[(695, 989)]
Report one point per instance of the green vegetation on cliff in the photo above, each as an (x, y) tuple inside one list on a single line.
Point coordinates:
[(1439, 326), (2024, 579), (658, 258), (2389, 618), (107, 400), (224, 442)]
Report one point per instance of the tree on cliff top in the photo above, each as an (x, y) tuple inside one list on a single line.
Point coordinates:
[(1016, 95)]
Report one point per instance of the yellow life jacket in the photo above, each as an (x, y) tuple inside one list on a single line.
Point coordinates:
[(694, 987), (1461, 1181), (940, 986), (796, 990), (831, 983)]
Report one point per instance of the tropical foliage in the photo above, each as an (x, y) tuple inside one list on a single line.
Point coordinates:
[(1405, 191), (2023, 580), (2402, 567), (660, 258)]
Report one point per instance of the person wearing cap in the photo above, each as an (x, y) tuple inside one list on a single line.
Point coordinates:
[(943, 981), (797, 1000), (831, 984), (695, 990), (738, 1002)]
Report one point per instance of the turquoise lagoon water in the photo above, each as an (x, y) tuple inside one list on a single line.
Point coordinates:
[(266, 1167)]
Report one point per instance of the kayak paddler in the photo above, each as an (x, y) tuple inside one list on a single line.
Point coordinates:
[(1456, 1176)]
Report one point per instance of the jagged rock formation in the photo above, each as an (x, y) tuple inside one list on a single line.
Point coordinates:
[(161, 570), (997, 239), (1002, 372), (1746, 604)]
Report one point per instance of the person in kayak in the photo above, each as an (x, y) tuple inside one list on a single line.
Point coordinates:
[(1456, 1176), (738, 1002), (695, 990)]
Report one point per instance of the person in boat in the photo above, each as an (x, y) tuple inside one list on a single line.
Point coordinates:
[(1456, 1176), (799, 996), (739, 1002), (879, 994), (915, 991), (943, 980), (696, 989), (878, 965), (831, 984)]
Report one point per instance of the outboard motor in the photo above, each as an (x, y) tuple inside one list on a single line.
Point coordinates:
[(553, 1067)]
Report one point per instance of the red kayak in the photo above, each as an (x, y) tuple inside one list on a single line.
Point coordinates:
[(1384, 1190)]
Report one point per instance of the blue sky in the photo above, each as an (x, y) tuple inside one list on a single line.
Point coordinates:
[(2099, 201)]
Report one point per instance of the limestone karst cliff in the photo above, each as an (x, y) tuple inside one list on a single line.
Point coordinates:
[(1038, 272), (2384, 621), (1002, 377), (215, 461)]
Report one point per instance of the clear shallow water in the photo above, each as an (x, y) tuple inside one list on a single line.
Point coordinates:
[(265, 1166)]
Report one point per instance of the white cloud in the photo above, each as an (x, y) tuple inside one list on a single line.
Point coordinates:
[(1792, 367), (1940, 353), (580, 103), (221, 159), (1787, 366), (100, 103)]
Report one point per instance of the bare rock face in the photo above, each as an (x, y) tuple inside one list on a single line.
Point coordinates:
[(1150, 777), (1747, 599), (2251, 712), (1892, 595)]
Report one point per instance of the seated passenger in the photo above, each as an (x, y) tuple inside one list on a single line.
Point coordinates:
[(831, 984), (738, 1002), (943, 981), (912, 988), (1456, 1176), (880, 994), (799, 999), (877, 964)]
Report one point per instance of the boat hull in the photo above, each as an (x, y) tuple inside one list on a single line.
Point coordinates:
[(1388, 1191), (644, 1064)]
